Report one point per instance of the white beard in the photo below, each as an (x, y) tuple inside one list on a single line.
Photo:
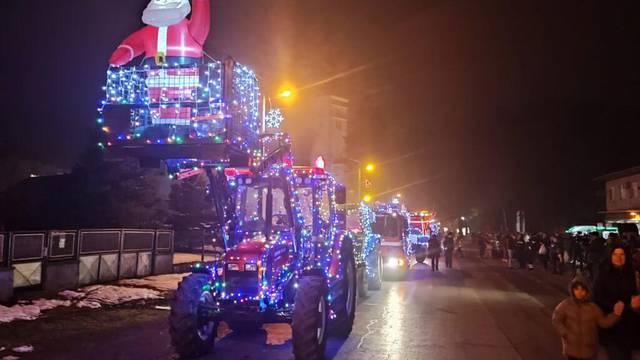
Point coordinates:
[(165, 14)]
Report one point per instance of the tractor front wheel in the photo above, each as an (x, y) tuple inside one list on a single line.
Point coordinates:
[(310, 318), (192, 331)]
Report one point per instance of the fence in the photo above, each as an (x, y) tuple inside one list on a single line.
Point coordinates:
[(59, 259)]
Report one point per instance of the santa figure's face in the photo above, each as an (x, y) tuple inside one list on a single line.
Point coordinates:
[(166, 12)]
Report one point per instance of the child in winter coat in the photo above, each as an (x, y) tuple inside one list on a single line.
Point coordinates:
[(577, 319)]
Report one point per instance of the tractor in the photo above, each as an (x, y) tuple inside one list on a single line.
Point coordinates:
[(288, 262), (359, 221)]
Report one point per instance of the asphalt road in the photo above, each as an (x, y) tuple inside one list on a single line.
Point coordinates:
[(478, 310)]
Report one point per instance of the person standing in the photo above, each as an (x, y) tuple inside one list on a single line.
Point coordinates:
[(616, 282), (482, 245), (459, 245), (577, 318), (448, 250), (521, 251), (596, 252), (510, 239), (434, 250), (543, 251), (554, 254)]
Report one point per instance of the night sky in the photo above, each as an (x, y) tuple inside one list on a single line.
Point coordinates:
[(514, 104)]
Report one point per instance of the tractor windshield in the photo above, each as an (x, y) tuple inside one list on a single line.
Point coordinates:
[(263, 207)]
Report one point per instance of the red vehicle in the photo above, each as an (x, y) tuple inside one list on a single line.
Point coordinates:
[(422, 225)]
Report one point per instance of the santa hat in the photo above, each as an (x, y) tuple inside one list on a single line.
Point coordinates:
[(165, 12)]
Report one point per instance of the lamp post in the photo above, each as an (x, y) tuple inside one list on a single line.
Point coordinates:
[(369, 167)]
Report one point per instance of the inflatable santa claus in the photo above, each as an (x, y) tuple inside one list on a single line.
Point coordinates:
[(169, 37)]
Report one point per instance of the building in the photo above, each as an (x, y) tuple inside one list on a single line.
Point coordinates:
[(622, 192), (326, 118)]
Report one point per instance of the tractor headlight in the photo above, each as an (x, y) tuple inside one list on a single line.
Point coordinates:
[(394, 262), (251, 267), (233, 267)]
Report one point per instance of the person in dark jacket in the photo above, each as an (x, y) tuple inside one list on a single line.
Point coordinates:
[(521, 251), (449, 245), (616, 282), (434, 249), (577, 319), (596, 252)]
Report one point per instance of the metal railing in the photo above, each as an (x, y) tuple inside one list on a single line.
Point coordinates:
[(100, 255)]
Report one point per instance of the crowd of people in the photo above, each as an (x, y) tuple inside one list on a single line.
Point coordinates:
[(607, 314)]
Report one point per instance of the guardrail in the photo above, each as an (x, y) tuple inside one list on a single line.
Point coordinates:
[(59, 259)]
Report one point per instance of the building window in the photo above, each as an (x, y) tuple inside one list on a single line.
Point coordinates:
[(634, 190), (623, 192), (611, 192)]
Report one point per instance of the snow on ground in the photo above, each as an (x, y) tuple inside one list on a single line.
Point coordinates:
[(10, 357), (114, 295), (23, 349), (95, 296), (185, 258), (18, 312), (159, 282)]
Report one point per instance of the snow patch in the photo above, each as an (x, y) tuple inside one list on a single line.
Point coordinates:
[(2, 349), (88, 304), (159, 282), (114, 295), (10, 357), (48, 304), (23, 349), (18, 312), (71, 295)]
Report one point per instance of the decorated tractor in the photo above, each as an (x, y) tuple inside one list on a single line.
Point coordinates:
[(288, 261), (391, 224), (359, 221), (422, 226), (287, 256)]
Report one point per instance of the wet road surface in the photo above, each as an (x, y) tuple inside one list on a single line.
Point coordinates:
[(478, 310)]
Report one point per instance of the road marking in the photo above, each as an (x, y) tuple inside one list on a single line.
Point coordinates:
[(370, 331)]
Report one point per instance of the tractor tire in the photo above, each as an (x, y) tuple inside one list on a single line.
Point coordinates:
[(191, 335), (363, 282), (310, 319), (344, 295), (421, 254), (376, 282)]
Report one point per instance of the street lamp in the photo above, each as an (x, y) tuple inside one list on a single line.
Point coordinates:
[(370, 168), (286, 93), (367, 198)]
